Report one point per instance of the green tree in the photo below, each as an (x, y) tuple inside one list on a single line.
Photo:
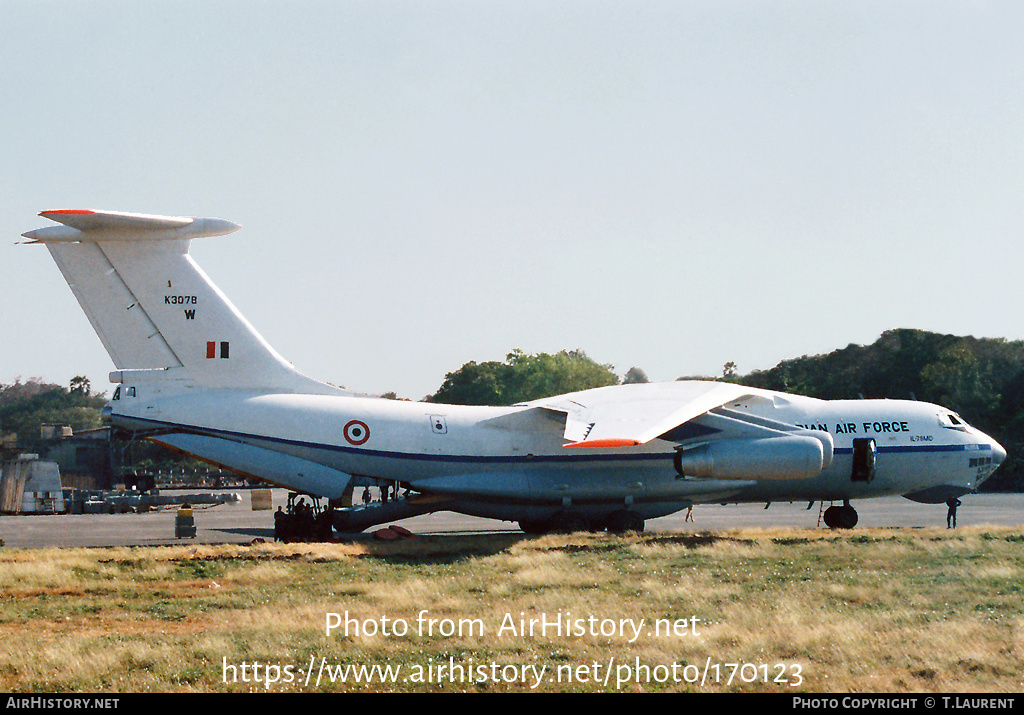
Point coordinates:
[(80, 385), (634, 375), (475, 384), (522, 377), (962, 382), (24, 407)]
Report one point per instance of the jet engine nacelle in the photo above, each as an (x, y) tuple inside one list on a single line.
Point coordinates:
[(789, 457), (828, 445)]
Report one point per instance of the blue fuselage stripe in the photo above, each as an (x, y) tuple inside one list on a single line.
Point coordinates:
[(904, 449)]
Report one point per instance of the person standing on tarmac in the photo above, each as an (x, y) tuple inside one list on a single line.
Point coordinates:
[(279, 525), (953, 503)]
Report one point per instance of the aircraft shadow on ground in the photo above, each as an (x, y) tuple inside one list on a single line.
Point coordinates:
[(436, 548)]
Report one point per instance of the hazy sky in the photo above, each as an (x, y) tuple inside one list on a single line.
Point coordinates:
[(670, 185)]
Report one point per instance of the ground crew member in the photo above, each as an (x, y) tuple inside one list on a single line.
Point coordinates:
[(953, 503), (278, 525)]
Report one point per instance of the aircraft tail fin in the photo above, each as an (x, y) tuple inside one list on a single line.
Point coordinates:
[(153, 308)]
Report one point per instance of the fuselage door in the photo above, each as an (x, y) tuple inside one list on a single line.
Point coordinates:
[(864, 454)]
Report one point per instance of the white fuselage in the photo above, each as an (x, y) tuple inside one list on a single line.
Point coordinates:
[(498, 457)]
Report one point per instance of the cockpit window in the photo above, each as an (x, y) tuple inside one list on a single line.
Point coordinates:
[(949, 420), (117, 393)]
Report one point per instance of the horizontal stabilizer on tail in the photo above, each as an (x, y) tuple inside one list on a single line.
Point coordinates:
[(92, 225)]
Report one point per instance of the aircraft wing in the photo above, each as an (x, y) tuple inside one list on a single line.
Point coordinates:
[(625, 415)]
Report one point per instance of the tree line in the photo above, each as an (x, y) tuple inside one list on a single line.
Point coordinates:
[(26, 406)]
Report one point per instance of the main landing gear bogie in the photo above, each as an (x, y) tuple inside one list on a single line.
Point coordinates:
[(621, 522)]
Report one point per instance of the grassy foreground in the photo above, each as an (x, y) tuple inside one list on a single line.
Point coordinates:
[(779, 610)]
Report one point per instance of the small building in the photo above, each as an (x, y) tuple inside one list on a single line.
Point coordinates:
[(84, 458), (29, 485)]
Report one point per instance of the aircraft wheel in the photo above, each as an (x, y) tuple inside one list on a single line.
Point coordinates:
[(568, 523), (620, 522), (840, 517), (848, 517)]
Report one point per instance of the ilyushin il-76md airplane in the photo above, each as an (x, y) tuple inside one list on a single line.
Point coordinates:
[(194, 375)]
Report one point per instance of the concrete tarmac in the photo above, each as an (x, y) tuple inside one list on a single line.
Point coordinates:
[(239, 523)]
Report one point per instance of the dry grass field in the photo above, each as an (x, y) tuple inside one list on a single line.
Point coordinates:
[(772, 610)]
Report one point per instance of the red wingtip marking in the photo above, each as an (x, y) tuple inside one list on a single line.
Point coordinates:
[(69, 212), (604, 443)]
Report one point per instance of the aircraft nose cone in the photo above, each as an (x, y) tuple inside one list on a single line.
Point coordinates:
[(998, 453)]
